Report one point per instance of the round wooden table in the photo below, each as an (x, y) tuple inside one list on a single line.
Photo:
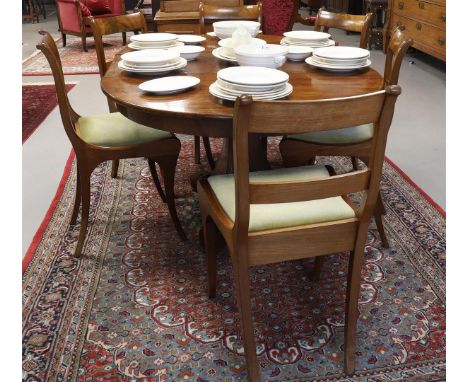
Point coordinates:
[(197, 112)]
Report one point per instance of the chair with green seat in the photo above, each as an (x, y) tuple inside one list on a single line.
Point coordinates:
[(353, 141), (100, 138)]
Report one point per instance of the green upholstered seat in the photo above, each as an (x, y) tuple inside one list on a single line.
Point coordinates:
[(113, 129), (280, 215), (353, 134)]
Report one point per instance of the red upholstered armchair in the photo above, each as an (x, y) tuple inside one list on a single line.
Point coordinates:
[(278, 16), (72, 15)]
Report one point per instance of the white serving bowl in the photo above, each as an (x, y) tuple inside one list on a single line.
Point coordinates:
[(228, 48), (269, 56), (225, 29), (298, 53), (189, 52)]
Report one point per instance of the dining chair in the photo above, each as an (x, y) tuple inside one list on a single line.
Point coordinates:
[(279, 16), (354, 141), (210, 13), (350, 23), (99, 138), (294, 213)]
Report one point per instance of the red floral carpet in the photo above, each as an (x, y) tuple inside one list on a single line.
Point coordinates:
[(74, 60), (135, 307), (38, 101)]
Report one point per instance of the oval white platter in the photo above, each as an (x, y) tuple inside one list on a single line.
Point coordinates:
[(169, 85)]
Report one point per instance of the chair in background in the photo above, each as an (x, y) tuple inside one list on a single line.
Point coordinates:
[(354, 141), (279, 16), (350, 23), (294, 213), (210, 13), (71, 15), (99, 138)]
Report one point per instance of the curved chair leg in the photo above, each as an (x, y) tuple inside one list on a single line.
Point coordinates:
[(209, 154), (241, 276), (355, 162), (317, 270), (157, 183), (168, 166), (196, 142), (210, 233), (76, 206), (124, 38), (115, 168), (85, 182), (378, 212)]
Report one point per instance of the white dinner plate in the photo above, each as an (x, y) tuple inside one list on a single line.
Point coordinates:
[(306, 36), (150, 72), (285, 41), (191, 38), (253, 75), (248, 88), (153, 37), (139, 47), (334, 68), (215, 91), (342, 52), (263, 92), (360, 61), (218, 54), (169, 85), (152, 57)]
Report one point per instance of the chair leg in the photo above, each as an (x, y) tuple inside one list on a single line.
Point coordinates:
[(124, 38), (317, 270), (241, 276), (168, 166), (85, 183), (209, 154), (196, 141), (378, 212), (76, 206), (210, 232), (355, 162), (64, 40), (83, 42), (115, 168), (157, 183)]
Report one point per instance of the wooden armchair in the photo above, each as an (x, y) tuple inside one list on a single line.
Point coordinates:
[(211, 13), (350, 23), (72, 21), (354, 141), (96, 139), (294, 213)]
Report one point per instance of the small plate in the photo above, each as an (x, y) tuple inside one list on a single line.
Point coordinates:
[(138, 47), (153, 37), (338, 69), (217, 53), (191, 39), (152, 72), (211, 34), (217, 92), (169, 85)]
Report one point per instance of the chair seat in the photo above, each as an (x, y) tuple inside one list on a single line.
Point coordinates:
[(355, 134), (282, 215), (113, 129)]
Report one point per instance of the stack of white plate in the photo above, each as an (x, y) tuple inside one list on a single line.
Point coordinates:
[(154, 41), (260, 83), (225, 29), (340, 58), (152, 61), (312, 39)]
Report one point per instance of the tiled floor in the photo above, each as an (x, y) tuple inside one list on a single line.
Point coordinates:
[(416, 142)]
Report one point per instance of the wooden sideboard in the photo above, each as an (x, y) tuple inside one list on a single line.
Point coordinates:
[(424, 21)]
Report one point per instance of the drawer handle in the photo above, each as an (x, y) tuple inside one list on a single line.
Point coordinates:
[(421, 5), (401, 5), (441, 41), (442, 17), (418, 26)]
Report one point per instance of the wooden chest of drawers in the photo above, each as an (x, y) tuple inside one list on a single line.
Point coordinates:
[(424, 21)]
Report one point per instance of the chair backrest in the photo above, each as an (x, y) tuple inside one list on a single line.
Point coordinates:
[(211, 13), (344, 21), (279, 15), (69, 116), (295, 117), (396, 50), (133, 22)]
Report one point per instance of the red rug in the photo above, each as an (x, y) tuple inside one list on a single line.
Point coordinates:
[(74, 60), (38, 101), (135, 306)]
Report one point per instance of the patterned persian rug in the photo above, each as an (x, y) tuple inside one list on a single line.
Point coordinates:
[(74, 60), (135, 306), (38, 101)]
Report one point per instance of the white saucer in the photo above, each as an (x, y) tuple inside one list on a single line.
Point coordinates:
[(138, 47), (169, 85), (191, 38), (217, 53)]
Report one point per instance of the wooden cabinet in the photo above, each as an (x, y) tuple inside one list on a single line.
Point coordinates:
[(424, 21)]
